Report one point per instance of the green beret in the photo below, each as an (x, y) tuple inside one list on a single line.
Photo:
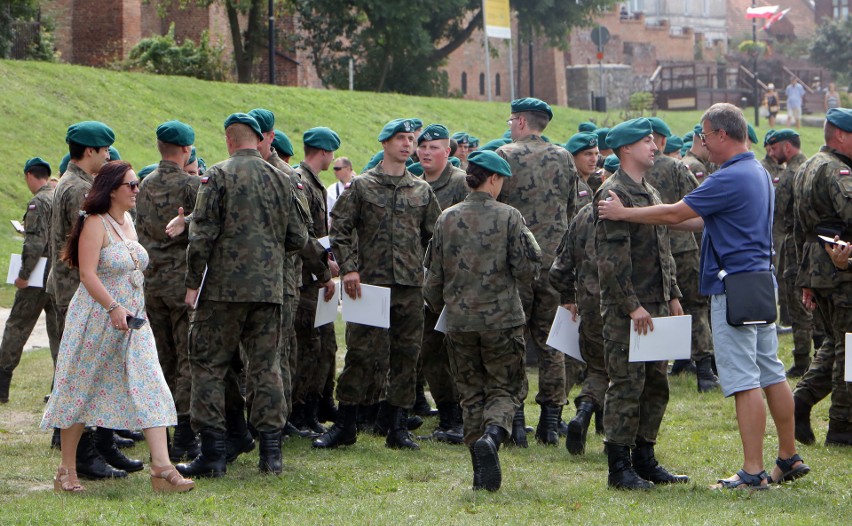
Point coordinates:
[(282, 144), (840, 117), (461, 138), (688, 137), (774, 137), (36, 161), (415, 169), (685, 148), (455, 161), (202, 166), (113, 154), (611, 163), (491, 162), (243, 118), (628, 132), (581, 141), (396, 126), (176, 132), (192, 157), (673, 144), (417, 123), (473, 141), (409, 162), (752, 135), (63, 164), (531, 104), (766, 137), (496, 143), (660, 127), (147, 170), (698, 128), (434, 132), (587, 127), (93, 134), (322, 139), (601, 133), (265, 119), (374, 161)]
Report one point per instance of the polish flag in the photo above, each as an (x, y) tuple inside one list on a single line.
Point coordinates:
[(761, 12), (775, 18)]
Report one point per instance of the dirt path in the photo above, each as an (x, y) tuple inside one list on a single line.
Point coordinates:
[(38, 339)]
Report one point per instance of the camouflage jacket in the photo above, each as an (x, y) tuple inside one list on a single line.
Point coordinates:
[(822, 197), (574, 273), (635, 263), (673, 180), (314, 257), (479, 254), (381, 225), (584, 194), (782, 226), (543, 187), (68, 197), (699, 168), (292, 261), (594, 182), (161, 193), (246, 217), (451, 187), (773, 168), (36, 231)]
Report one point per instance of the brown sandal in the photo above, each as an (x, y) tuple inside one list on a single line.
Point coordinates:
[(167, 479), (66, 481)]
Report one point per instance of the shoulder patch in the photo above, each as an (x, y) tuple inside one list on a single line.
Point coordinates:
[(843, 172), (300, 186), (347, 185), (699, 174), (776, 179), (204, 179), (31, 207), (583, 193)]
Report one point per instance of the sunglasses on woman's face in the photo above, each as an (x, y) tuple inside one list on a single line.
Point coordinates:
[(132, 184)]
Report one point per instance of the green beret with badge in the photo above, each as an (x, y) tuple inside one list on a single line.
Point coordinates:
[(418, 124), (176, 132), (611, 163), (461, 138), (781, 135), (147, 170), (581, 141), (265, 119), (113, 154), (36, 161), (491, 162), (840, 117), (628, 132), (660, 127), (396, 126), (601, 133), (434, 132), (415, 169), (282, 144), (752, 135), (321, 138), (587, 127), (673, 144), (531, 104), (93, 134), (766, 137), (474, 141), (246, 119)]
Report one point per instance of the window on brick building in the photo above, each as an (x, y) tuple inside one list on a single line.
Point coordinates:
[(497, 84), (840, 9), (482, 83), (464, 83)]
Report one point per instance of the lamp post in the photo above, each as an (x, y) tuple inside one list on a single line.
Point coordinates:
[(754, 68)]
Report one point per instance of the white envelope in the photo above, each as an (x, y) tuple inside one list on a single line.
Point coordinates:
[(565, 334), (372, 308), (671, 339), (19, 228), (36, 278), (326, 310), (441, 325), (325, 242), (848, 374)]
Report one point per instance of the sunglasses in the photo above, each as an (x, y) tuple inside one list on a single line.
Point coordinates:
[(132, 184), (338, 168)]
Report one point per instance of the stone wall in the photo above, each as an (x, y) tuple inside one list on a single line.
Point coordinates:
[(619, 82)]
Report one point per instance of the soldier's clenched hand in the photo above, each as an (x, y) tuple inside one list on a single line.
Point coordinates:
[(611, 208)]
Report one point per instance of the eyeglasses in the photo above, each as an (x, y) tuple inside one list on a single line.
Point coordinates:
[(132, 184), (703, 136), (509, 122)]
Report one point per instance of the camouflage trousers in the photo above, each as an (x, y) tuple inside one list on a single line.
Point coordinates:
[(314, 361), (329, 347), (800, 317), (592, 350), (488, 368), (540, 301), (217, 330), (638, 392), (374, 354), (169, 319), (288, 351), (29, 304), (435, 362), (695, 304), (816, 383)]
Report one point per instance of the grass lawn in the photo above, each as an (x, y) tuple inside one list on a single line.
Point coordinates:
[(369, 484)]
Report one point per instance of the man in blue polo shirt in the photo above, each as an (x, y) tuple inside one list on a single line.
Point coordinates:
[(734, 207)]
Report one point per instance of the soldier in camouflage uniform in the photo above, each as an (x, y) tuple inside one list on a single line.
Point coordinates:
[(246, 217), (822, 191), (30, 301), (697, 159), (544, 188), (480, 254), (380, 227), (637, 280)]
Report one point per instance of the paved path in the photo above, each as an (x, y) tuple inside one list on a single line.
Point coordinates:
[(38, 339)]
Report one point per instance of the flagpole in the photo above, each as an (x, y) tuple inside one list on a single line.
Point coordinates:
[(756, 75)]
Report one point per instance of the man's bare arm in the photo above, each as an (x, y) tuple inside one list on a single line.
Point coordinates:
[(670, 215)]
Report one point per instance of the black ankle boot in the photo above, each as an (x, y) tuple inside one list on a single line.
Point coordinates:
[(56, 439), (270, 452), (398, 436), (578, 427), (211, 461), (682, 366), (238, 439), (344, 432), (707, 381), (105, 444), (90, 463), (519, 428), (802, 415), (384, 419), (647, 467), (327, 411), (136, 436), (839, 433), (621, 473), (485, 449), (448, 430), (185, 443), (421, 404), (477, 469), (122, 442), (311, 419), (546, 432), (5, 382)]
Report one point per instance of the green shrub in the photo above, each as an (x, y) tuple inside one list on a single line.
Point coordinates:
[(163, 56)]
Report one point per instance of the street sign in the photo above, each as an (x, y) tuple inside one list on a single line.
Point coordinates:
[(600, 36)]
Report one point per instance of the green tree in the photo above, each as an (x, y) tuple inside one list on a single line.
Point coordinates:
[(162, 55), (18, 20), (831, 50)]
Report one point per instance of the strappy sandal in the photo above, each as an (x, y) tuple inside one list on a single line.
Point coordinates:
[(745, 481), (788, 472), (66, 481), (167, 479)]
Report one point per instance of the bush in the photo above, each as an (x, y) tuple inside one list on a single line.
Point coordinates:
[(641, 101), (163, 56)]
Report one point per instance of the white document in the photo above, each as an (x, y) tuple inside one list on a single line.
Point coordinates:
[(565, 334), (441, 325), (372, 308), (326, 310), (19, 228), (201, 286), (848, 373), (325, 242), (36, 278), (671, 339), (831, 240)]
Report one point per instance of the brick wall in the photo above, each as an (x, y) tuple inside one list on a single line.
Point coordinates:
[(96, 32), (469, 59)]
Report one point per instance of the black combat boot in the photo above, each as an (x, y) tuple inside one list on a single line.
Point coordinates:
[(578, 428), (477, 469), (327, 410), (90, 464), (366, 417), (270, 452), (398, 436), (56, 439), (238, 439), (5, 382), (449, 429), (344, 432), (297, 424), (311, 420), (707, 381), (136, 436), (802, 416), (647, 467), (599, 422), (211, 461), (801, 362), (682, 366), (485, 449), (184, 443), (621, 473), (839, 433), (105, 444), (519, 428), (546, 433), (384, 419), (122, 442), (421, 404)]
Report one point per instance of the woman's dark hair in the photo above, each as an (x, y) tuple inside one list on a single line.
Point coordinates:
[(476, 175), (98, 201)]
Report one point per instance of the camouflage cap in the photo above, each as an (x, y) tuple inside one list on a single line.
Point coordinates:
[(781, 135), (176, 132), (93, 134), (415, 169), (244, 118), (840, 117), (282, 144), (147, 170), (601, 133), (322, 138), (531, 104), (113, 154), (660, 127), (581, 141), (611, 163), (628, 132), (36, 161), (673, 144), (491, 162), (434, 132), (396, 126), (752, 135), (265, 119), (63, 164), (587, 127)]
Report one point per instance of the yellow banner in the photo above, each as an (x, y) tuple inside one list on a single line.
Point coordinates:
[(498, 18)]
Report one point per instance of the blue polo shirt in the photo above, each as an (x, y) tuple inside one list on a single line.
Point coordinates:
[(736, 203)]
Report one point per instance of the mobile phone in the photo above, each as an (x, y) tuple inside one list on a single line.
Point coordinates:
[(136, 323)]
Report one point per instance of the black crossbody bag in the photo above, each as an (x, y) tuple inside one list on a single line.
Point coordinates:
[(750, 296)]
